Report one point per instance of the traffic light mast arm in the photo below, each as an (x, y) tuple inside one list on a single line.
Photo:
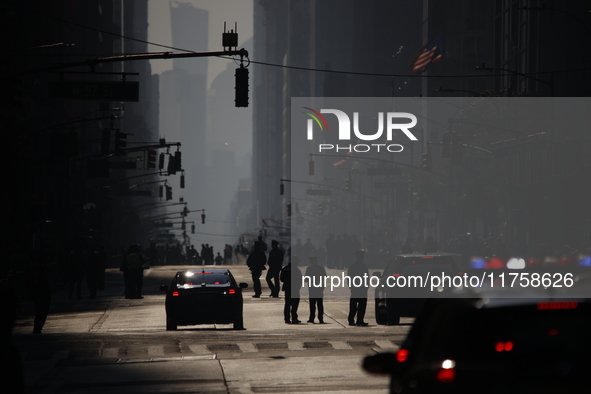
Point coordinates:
[(125, 58)]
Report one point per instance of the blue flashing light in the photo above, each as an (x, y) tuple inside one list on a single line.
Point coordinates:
[(585, 261), (478, 263)]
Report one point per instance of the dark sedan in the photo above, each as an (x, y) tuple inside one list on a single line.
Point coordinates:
[(204, 296)]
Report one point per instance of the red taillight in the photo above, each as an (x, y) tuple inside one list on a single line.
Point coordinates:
[(232, 291), (175, 293), (402, 355), (504, 346), (446, 375), (553, 332), (554, 305)]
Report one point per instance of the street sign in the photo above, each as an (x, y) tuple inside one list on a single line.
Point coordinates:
[(94, 90)]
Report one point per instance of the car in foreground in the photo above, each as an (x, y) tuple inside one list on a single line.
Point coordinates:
[(393, 302), (493, 346), (204, 296)]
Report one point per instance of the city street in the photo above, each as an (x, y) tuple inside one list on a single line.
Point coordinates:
[(111, 344)]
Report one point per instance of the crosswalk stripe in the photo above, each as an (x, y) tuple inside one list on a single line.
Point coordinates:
[(111, 352), (295, 346), (340, 345), (199, 349), (385, 344), (156, 350), (247, 347)]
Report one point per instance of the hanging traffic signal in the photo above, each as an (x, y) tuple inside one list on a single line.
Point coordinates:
[(282, 189), (183, 181), (177, 160), (185, 211), (192, 229), (120, 141), (171, 165), (183, 225), (348, 184), (151, 158), (288, 209), (203, 218), (161, 161), (168, 193), (311, 167), (241, 93)]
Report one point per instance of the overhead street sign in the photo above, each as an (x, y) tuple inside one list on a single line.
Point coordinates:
[(95, 90)]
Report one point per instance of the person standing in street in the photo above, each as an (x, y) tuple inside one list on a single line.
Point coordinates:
[(358, 300), (275, 264), (292, 282), (133, 266), (256, 263), (316, 293)]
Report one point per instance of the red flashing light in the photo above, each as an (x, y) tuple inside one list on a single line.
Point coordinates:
[(553, 332), (494, 263), (504, 346), (396, 275), (232, 291), (401, 355), (175, 293), (557, 305), (446, 375)]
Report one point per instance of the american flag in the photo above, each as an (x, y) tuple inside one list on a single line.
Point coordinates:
[(430, 53)]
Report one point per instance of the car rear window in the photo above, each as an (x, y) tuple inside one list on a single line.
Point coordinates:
[(198, 278)]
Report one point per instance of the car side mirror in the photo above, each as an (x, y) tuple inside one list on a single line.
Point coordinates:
[(243, 285), (164, 288)]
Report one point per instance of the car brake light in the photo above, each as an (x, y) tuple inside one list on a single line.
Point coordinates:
[(232, 291), (446, 375), (402, 355), (175, 293), (554, 305), (553, 332), (504, 346)]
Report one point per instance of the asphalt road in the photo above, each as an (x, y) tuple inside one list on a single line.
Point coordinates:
[(113, 345)]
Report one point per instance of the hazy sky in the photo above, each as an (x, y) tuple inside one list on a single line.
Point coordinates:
[(220, 11)]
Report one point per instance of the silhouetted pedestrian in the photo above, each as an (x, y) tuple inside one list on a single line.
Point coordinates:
[(358, 300), (219, 260), (133, 266), (276, 256), (316, 272), (291, 277), (256, 263)]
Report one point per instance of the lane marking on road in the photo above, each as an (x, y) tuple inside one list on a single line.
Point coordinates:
[(163, 359), (385, 344), (340, 345), (111, 352), (247, 347), (295, 346), (156, 351), (199, 349)]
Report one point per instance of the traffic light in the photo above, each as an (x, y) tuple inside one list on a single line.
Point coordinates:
[(311, 167), (168, 193), (171, 165), (183, 181), (241, 93), (120, 141), (105, 141), (185, 211), (282, 189), (203, 218), (348, 184), (161, 161), (192, 229), (151, 158), (288, 209), (177, 160), (183, 225)]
